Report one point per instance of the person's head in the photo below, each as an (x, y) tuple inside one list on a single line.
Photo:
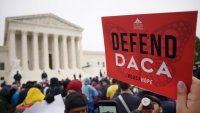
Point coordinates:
[(5, 91), (44, 76), (34, 95), (97, 78), (114, 81), (2, 79), (74, 76), (86, 81), (151, 104), (66, 83), (29, 84), (105, 82), (38, 86), (80, 76), (16, 83), (124, 86), (74, 85), (76, 103), (54, 82)]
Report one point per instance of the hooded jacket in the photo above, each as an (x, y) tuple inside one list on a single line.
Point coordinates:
[(34, 95)]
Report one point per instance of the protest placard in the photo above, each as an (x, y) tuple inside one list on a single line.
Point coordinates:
[(151, 51)]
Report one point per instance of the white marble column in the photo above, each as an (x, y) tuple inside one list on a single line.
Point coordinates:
[(12, 46), (45, 52), (79, 53), (73, 52), (55, 52), (24, 51), (35, 51), (64, 51)]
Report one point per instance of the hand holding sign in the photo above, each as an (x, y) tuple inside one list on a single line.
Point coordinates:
[(150, 54), (188, 103)]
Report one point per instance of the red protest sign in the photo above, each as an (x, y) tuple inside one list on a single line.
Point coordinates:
[(151, 51)]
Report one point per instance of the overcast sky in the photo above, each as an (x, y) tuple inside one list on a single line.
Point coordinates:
[(88, 13)]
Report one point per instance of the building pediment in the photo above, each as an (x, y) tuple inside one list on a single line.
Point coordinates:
[(45, 20)]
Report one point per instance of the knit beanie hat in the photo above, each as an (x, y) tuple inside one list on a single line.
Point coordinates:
[(75, 85), (75, 100), (54, 82)]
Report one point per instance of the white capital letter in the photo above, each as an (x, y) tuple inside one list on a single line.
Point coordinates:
[(164, 70), (117, 55), (132, 63), (144, 68)]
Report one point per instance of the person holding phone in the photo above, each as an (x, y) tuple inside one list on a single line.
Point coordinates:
[(107, 106)]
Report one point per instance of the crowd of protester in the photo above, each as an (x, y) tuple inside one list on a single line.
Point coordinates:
[(82, 95)]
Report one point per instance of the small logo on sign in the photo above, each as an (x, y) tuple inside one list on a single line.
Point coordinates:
[(138, 24)]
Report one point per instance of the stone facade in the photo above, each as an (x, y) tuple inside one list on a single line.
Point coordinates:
[(45, 42), (94, 62)]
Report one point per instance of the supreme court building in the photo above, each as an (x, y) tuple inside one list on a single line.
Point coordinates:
[(46, 42)]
